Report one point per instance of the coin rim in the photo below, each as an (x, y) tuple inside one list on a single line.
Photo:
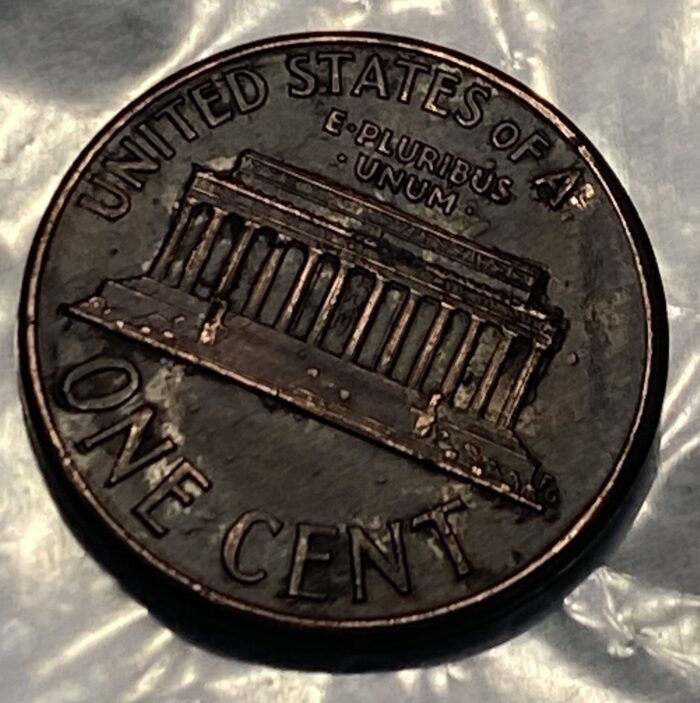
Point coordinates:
[(588, 524)]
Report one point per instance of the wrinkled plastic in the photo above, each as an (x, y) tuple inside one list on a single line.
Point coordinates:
[(627, 72)]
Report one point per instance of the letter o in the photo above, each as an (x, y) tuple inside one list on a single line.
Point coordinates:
[(505, 135), (108, 401)]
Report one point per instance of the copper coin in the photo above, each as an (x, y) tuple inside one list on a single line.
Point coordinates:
[(344, 331)]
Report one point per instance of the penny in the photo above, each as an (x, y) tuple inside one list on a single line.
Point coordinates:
[(344, 331)]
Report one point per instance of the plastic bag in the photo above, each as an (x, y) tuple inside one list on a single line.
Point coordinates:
[(627, 72)]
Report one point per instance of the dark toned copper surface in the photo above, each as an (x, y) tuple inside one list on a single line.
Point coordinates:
[(344, 332)]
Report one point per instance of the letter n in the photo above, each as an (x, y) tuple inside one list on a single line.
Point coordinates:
[(386, 554), (133, 428)]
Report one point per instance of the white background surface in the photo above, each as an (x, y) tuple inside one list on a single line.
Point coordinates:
[(627, 72)]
